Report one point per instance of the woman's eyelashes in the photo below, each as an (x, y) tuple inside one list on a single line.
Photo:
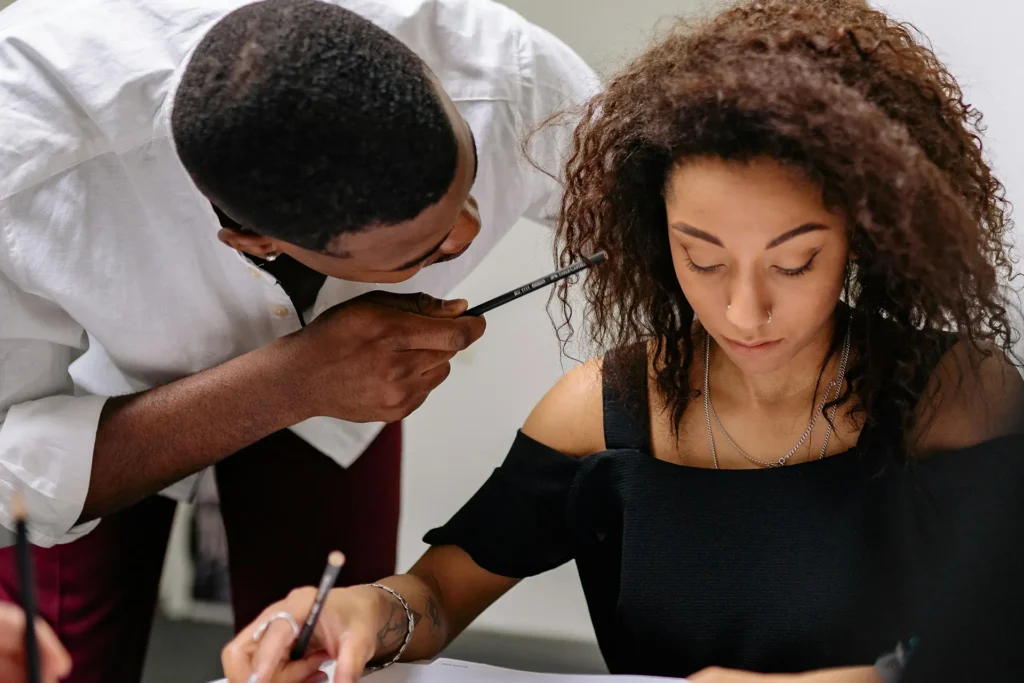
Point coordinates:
[(805, 268), (788, 272), (700, 269)]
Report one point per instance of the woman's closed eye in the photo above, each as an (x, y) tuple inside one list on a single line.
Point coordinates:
[(794, 272), (701, 269), (788, 272)]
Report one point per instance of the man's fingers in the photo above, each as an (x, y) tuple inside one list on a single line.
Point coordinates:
[(420, 304), (437, 334), (431, 378), (420, 362), (453, 308)]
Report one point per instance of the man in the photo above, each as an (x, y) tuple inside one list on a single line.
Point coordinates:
[(198, 199)]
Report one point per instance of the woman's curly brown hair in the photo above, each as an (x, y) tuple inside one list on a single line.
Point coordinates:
[(854, 100)]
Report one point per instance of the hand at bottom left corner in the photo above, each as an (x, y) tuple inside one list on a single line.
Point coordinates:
[(54, 660)]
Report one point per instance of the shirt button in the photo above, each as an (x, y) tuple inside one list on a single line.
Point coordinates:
[(281, 311), (255, 272)]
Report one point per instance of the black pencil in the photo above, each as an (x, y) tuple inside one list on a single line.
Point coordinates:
[(28, 595), (334, 563), (599, 257)]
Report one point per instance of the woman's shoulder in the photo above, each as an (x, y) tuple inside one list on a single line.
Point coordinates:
[(974, 395), (570, 416), (573, 417)]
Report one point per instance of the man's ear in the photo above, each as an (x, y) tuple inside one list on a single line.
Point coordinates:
[(248, 242)]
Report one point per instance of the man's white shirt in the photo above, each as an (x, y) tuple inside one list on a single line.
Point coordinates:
[(112, 279)]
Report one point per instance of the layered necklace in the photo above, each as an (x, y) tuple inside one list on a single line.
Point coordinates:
[(836, 385)]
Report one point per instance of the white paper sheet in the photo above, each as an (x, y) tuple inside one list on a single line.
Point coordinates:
[(453, 671)]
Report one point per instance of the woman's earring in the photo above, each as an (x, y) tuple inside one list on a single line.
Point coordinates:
[(271, 256)]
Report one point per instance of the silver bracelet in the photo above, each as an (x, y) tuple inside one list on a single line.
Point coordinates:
[(408, 633)]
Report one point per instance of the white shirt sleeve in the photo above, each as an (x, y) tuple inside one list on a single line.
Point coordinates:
[(46, 433), (556, 82)]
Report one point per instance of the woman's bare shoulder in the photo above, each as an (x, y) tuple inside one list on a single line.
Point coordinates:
[(570, 417)]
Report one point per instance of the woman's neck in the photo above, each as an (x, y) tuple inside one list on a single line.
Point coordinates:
[(791, 385)]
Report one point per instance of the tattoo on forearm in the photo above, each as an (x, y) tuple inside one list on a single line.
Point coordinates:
[(392, 634), (433, 611)]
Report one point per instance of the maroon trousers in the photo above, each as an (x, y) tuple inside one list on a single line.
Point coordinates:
[(285, 507)]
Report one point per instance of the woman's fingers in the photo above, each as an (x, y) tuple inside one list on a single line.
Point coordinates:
[(355, 650)]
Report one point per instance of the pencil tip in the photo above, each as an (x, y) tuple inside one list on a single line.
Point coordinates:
[(336, 559), (18, 506)]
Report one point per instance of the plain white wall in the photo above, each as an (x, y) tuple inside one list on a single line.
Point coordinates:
[(464, 430)]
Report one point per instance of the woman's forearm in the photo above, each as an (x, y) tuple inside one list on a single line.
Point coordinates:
[(430, 632)]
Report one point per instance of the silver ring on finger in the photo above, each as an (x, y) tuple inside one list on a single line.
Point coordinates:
[(284, 616)]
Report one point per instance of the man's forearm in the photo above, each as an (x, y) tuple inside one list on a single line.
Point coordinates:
[(148, 441)]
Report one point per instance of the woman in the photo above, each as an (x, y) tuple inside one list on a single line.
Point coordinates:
[(809, 337)]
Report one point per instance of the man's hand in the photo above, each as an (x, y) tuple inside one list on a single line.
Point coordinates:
[(376, 358), (53, 658)]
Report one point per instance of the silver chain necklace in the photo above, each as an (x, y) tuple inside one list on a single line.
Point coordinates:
[(836, 384)]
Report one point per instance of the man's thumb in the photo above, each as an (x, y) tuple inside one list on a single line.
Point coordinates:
[(423, 304)]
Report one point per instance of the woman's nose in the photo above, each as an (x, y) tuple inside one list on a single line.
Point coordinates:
[(747, 310)]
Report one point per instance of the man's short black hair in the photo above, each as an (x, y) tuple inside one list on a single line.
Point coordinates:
[(303, 121)]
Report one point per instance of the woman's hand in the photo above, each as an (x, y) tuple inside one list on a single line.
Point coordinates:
[(860, 674), (53, 658), (347, 631)]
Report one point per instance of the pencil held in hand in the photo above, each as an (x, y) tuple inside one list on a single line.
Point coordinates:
[(335, 561), (582, 264)]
